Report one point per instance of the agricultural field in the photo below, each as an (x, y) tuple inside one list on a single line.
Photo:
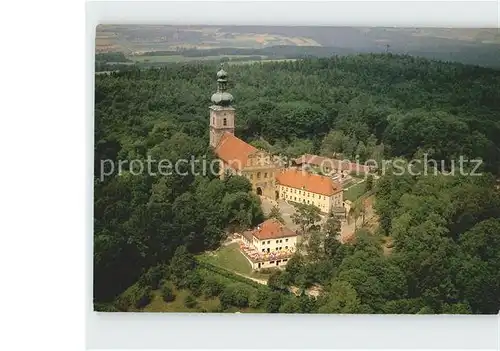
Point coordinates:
[(137, 39), (180, 58), (469, 46), (256, 61)]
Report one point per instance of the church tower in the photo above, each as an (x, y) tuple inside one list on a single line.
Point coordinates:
[(221, 111)]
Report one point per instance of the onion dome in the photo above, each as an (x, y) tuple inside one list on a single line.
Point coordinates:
[(222, 97)]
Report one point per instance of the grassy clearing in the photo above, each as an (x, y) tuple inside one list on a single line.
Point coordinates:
[(354, 192), (157, 303), (228, 257)]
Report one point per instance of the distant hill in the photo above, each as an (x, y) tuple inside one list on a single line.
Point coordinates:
[(470, 46)]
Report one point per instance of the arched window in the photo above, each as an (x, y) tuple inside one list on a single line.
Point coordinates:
[(224, 121)]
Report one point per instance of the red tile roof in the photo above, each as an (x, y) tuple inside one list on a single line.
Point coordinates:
[(315, 183), (233, 151), (332, 163), (272, 229)]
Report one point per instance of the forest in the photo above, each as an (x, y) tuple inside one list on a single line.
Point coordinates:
[(486, 56), (446, 249)]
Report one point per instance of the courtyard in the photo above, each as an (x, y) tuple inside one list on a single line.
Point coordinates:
[(286, 210)]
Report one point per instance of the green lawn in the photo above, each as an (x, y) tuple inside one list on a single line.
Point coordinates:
[(354, 192), (228, 257)]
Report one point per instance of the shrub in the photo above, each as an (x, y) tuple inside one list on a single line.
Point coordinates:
[(167, 292), (103, 307), (254, 301), (152, 277), (143, 297), (273, 303), (279, 280), (226, 298), (216, 309), (212, 287), (181, 264), (123, 303), (136, 296), (258, 298), (194, 282), (290, 305), (266, 270), (190, 301), (236, 294)]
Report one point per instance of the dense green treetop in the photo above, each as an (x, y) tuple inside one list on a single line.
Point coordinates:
[(445, 258)]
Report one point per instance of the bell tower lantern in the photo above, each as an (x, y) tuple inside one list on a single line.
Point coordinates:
[(221, 111)]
